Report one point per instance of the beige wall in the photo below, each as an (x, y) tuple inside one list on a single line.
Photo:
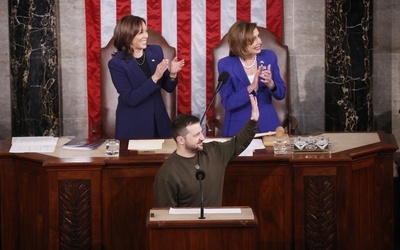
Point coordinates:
[(5, 104), (304, 34), (386, 68), (304, 29), (73, 67)]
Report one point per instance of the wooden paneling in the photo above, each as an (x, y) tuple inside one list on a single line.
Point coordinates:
[(267, 188), (317, 193), (9, 210), (302, 201), (203, 238), (32, 210), (127, 196), (186, 231)]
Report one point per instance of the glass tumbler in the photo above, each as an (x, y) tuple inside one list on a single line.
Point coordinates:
[(280, 145), (112, 147)]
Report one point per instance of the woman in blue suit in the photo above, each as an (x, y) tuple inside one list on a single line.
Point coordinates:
[(139, 72), (251, 70)]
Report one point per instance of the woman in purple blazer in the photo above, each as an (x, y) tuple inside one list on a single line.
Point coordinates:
[(251, 70), (139, 72)]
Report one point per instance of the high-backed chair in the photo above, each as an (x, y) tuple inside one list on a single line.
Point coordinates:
[(282, 107), (109, 95)]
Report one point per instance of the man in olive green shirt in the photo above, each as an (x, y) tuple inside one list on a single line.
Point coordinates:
[(175, 184)]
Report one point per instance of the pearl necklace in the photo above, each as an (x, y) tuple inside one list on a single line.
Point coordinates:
[(144, 59), (250, 66)]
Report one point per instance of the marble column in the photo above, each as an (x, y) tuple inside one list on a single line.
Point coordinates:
[(348, 65), (35, 87)]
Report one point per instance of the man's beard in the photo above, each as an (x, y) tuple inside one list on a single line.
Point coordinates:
[(194, 149)]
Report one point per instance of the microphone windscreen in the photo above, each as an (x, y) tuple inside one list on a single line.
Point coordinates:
[(223, 77), (200, 174)]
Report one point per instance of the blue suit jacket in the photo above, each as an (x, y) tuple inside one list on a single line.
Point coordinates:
[(235, 97), (141, 108)]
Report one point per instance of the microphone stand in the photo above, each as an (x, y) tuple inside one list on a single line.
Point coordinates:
[(202, 202), (200, 175), (223, 77), (208, 107)]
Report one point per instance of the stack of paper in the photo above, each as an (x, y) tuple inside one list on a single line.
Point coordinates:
[(83, 144), (145, 145), (206, 210), (35, 144)]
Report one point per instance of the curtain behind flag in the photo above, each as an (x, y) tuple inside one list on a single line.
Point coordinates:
[(192, 27)]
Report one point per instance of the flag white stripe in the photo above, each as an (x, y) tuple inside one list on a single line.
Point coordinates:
[(108, 20), (228, 15), (169, 22), (198, 57), (258, 14), (139, 8)]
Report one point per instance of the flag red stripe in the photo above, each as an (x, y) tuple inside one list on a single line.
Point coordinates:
[(184, 37), (154, 15), (123, 8), (275, 17), (213, 23), (243, 10), (93, 45)]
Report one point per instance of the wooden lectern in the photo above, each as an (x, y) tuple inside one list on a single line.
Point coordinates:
[(221, 229)]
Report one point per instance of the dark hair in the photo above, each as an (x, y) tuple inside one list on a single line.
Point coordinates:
[(179, 124), (125, 30), (240, 35)]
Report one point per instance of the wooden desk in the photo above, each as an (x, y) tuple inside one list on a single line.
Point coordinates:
[(187, 231), (340, 201)]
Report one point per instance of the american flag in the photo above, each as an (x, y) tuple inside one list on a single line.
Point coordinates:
[(192, 27)]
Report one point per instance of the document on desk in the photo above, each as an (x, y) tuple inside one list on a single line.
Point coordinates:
[(83, 144), (255, 144), (207, 140), (264, 134), (33, 144), (206, 210), (155, 144)]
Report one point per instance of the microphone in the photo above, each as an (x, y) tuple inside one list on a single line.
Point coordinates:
[(200, 175), (222, 78)]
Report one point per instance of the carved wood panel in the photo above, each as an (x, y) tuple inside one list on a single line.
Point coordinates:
[(75, 226), (319, 212)]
